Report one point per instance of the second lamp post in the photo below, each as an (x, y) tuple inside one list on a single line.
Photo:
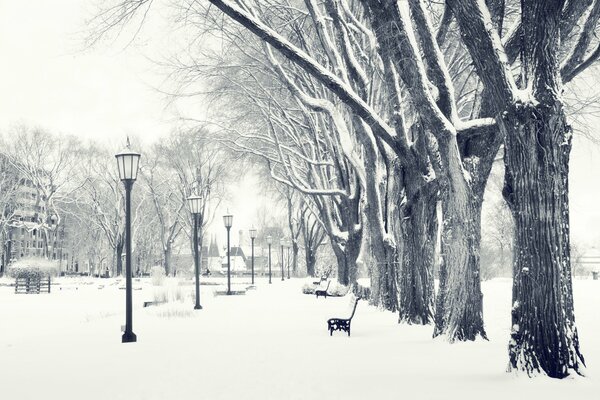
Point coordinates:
[(195, 204), (228, 221), (128, 162)]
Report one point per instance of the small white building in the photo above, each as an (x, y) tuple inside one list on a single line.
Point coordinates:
[(238, 260)]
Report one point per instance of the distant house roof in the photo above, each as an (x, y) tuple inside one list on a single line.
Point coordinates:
[(213, 251), (238, 252)]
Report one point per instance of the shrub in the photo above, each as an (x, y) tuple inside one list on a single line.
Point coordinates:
[(158, 275), (169, 292), (33, 267)]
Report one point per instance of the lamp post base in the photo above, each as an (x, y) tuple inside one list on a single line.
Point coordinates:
[(197, 307), (128, 337)]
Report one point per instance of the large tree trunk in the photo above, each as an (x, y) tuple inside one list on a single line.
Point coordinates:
[(346, 254), (384, 286), (544, 336), (311, 260), (418, 228), (459, 305)]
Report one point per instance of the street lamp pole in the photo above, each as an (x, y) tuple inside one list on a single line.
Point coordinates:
[(281, 242), (228, 221), (269, 241), (195, 204), (252, 237), (128, 163)]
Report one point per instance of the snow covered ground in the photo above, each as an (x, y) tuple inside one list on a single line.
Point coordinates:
[(271, 343)]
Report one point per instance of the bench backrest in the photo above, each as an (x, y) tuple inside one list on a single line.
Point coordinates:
[(354, 308)]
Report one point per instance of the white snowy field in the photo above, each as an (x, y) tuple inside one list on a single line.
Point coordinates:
[(271, 343)]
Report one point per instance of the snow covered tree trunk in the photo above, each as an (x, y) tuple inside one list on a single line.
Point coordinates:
[(346, 254), (384, 285), (419, 232), (544, 336), (311, 260), (459, 305)]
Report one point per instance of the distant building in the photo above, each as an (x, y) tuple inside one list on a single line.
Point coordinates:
[(588, 263), (211, 259), (31, 231), (238, 260)]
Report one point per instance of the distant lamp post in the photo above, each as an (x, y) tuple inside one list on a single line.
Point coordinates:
[(281, 243), (128, 162), (195, 204), (269, 242), (228, 221), (252, 237)]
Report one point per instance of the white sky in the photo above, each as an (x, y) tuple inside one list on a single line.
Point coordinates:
[(48, 79), (106, 93)]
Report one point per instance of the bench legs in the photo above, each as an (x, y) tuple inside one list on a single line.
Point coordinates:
[(338, 324)]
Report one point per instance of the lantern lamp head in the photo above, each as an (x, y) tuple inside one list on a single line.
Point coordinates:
[(195, 204), (228, 220), (253, 233), (128, 162), (269, 239)]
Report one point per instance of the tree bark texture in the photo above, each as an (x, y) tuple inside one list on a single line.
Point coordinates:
[(418, 226), (311, 260), (384, 285), (459, 304), (544, 337), (346, 254)]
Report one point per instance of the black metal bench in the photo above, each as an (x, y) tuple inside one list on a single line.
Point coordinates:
[(341, 324), (322, 292)]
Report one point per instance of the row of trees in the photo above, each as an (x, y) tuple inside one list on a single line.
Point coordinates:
[(381, 112), (80, 200)]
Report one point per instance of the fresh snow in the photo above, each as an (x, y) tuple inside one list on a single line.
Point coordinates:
[(271, 343)]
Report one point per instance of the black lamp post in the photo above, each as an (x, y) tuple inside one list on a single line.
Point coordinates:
[(228, 221), (128, 163), (281, 243), (252, 237), (195, 204), (269, 242)]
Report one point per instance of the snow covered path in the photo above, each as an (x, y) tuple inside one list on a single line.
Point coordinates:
[(271, 343)]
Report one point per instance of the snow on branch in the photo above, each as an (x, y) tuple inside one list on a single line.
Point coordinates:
[(299, 57)]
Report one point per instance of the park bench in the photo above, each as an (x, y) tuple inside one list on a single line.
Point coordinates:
[(320, 292), (32, 285), (342, 324), (322, 279)]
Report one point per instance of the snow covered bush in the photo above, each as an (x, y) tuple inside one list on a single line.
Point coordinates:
[(32, 267), (169, 292), (158, 275)]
